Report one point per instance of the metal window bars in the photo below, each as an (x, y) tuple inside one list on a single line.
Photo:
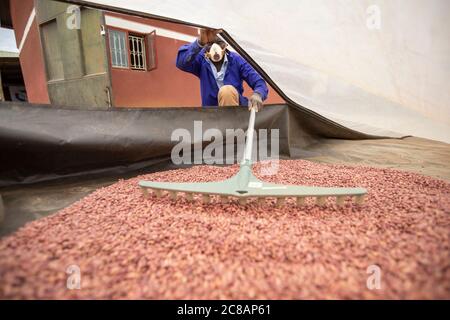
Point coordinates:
[(137, 53)]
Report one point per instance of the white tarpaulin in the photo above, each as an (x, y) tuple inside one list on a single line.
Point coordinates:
[(377, 66)]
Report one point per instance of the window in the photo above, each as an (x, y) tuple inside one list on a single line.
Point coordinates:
[(119, 52), (138, 53)]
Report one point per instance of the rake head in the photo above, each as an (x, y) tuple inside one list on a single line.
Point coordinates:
[(245, 186)]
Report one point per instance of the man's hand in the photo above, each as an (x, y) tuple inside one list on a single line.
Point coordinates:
[(255, 102), (207, 35)]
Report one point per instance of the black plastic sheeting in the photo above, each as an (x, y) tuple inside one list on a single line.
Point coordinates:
[(41, 142)]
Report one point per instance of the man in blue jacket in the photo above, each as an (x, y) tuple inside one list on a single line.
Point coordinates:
[(221, 72)]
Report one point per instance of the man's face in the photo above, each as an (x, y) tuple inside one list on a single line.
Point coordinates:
[(216, 52)]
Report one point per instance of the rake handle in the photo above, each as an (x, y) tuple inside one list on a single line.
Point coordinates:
[(249, 143)]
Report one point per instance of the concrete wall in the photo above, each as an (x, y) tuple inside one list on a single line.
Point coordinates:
[(77, 72)]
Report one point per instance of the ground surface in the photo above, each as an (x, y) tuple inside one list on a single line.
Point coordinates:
[(423, 156), (128, 246)]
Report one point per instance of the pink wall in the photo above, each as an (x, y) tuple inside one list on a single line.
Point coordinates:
[(162, 87), (31, 56)]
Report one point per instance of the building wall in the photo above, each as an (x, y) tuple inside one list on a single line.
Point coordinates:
[(166, 85), (77, 72), (31, 57), (163, 86)]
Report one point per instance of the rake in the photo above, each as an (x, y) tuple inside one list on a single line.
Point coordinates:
[(244, 185)]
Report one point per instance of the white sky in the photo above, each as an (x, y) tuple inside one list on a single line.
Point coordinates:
[(7, 40)]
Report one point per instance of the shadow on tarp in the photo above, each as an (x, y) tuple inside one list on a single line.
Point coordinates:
[(46, 142)]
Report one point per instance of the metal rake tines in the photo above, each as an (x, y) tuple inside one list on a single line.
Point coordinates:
[(259, 200), (250, 189)]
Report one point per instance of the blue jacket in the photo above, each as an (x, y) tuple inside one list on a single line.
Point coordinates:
[(191, 58)]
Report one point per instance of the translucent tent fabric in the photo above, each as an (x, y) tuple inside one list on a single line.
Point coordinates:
[(377, 66)]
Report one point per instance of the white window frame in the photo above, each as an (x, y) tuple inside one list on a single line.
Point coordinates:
[(116, 50)]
